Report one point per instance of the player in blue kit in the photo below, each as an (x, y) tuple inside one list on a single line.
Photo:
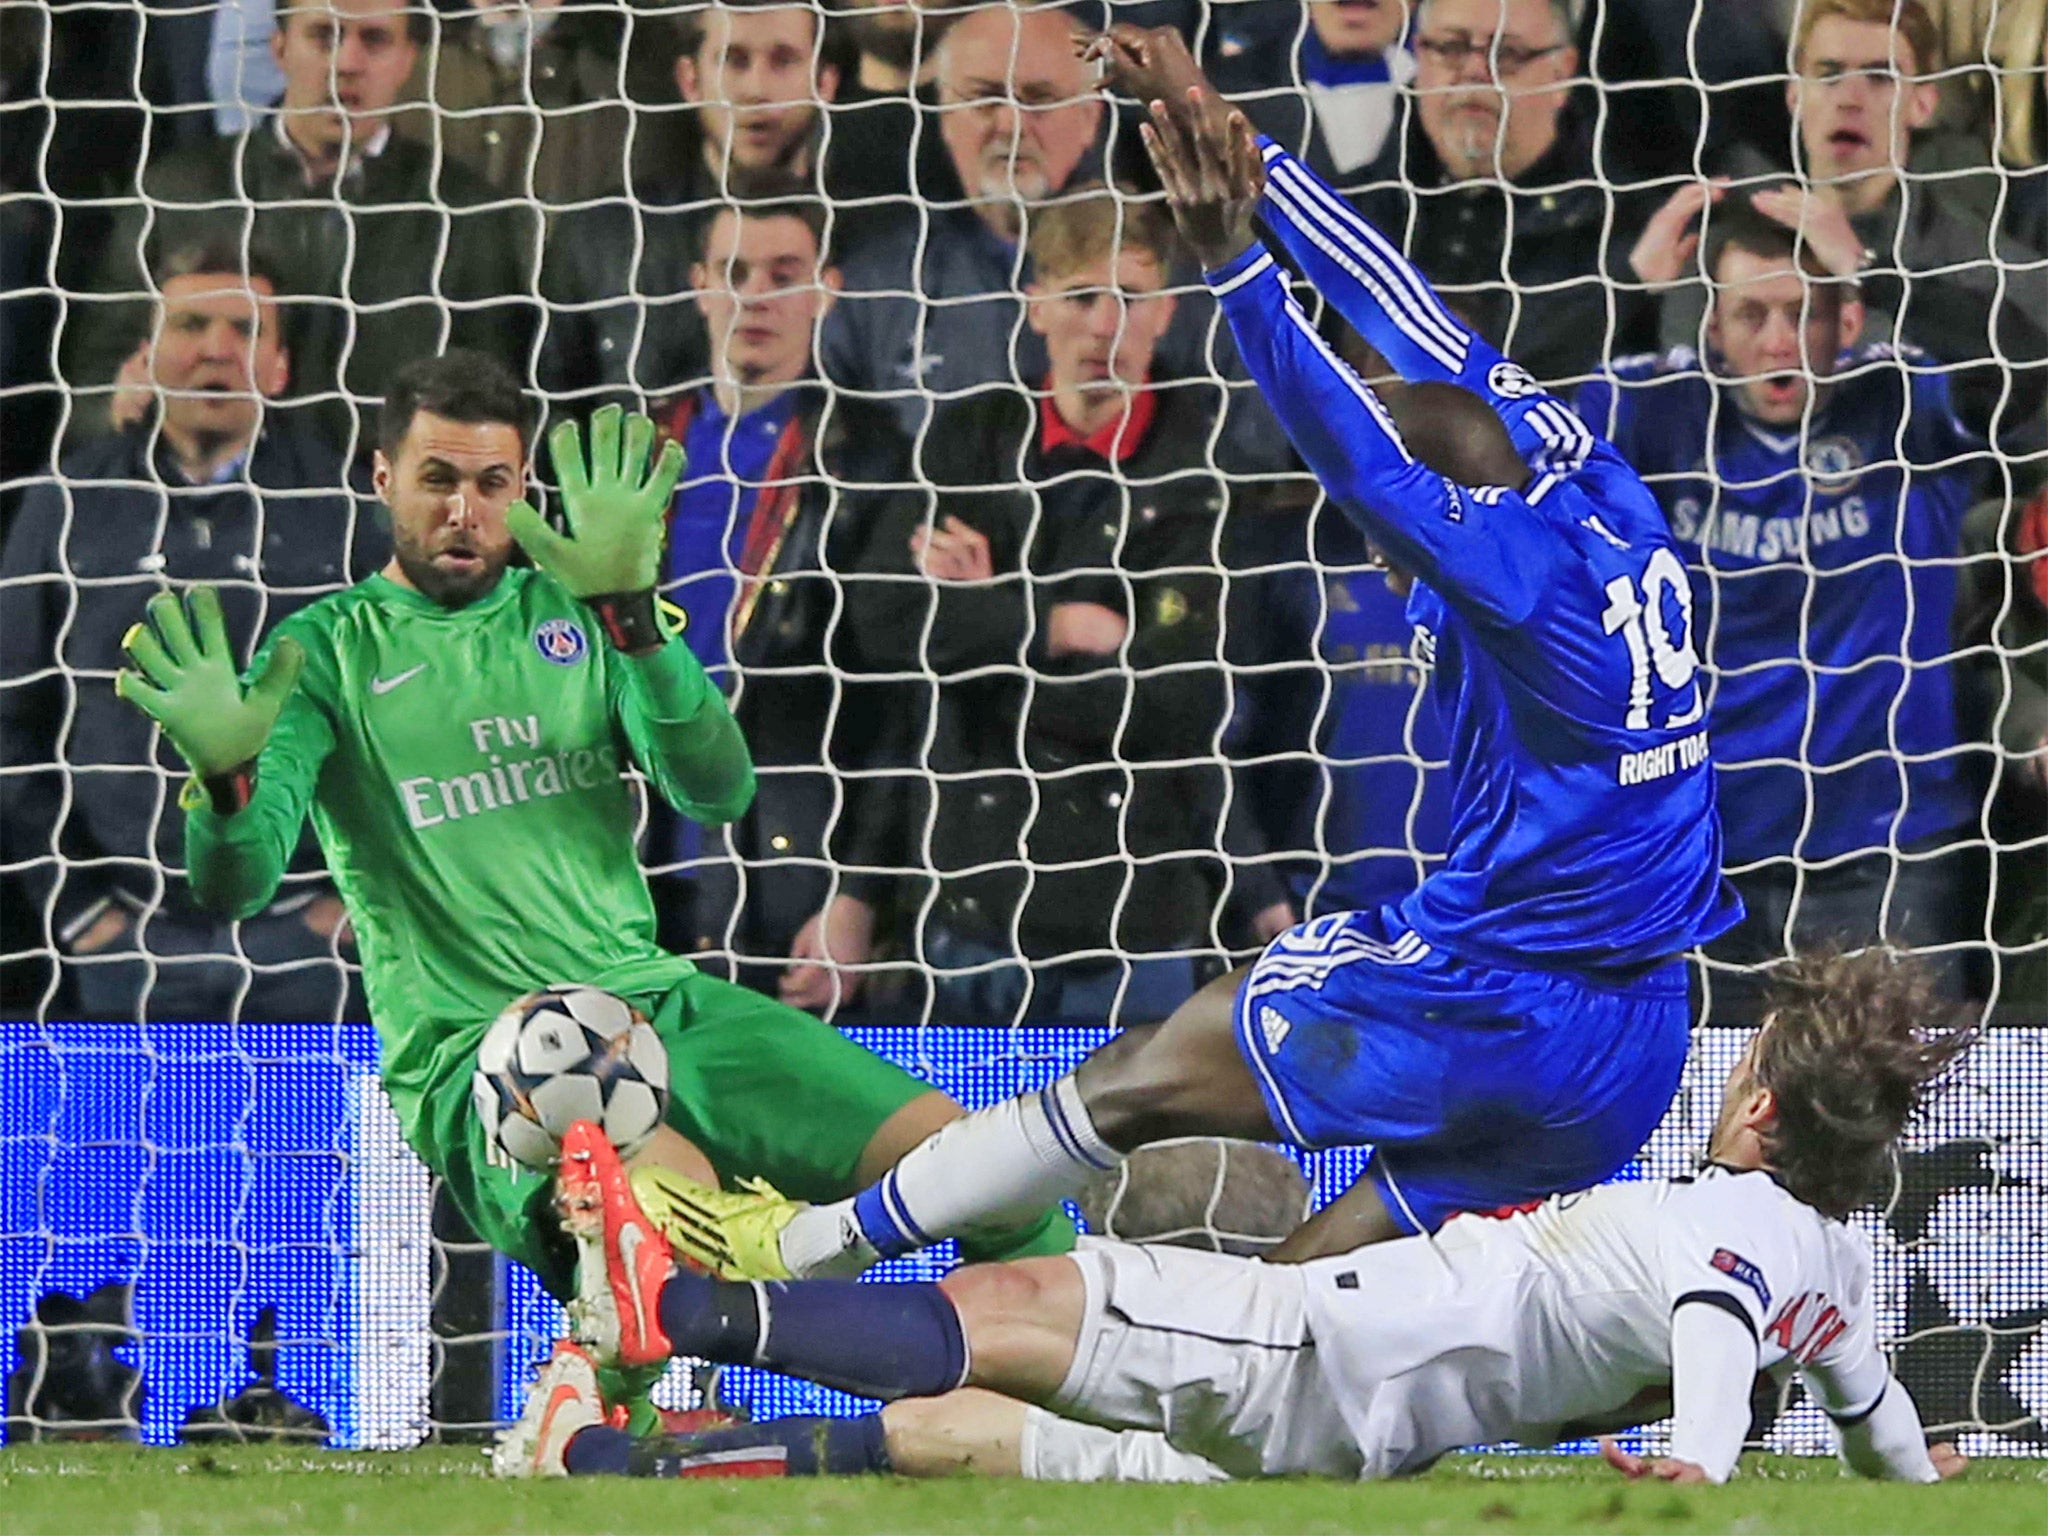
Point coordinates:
[(1517, 1025)]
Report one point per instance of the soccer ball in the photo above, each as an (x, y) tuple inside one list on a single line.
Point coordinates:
[(566, 1054)]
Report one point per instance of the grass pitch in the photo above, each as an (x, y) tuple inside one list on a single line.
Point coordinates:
[(86, 1490)]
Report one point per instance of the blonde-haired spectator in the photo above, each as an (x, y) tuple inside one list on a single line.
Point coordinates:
[(1920, 240)]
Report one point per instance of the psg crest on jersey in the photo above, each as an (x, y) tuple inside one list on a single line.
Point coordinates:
[(560, 641)]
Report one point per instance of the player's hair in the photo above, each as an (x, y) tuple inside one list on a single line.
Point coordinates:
[(217, 252), (776, 195), (462, 385), (1736, 225), (419, 21), (1853, 1047), (1908, 18), (1201, 1192), (1091, 223)]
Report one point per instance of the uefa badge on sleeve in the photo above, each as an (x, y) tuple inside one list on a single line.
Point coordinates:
[(1511, 381), (560, 641)]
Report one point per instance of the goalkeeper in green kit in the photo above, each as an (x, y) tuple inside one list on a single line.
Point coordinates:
[(457, 729)]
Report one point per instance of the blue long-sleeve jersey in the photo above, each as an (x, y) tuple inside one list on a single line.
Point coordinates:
[(1823, 566), (1583, 831)]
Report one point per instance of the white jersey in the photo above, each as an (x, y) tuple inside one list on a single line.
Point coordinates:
[(1557, 1323)]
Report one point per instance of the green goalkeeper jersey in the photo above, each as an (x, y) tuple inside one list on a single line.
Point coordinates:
[(463, 768)]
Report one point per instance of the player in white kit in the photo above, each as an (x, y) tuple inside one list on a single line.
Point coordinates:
[(1589, 1313)]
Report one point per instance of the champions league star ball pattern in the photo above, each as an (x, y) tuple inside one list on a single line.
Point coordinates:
[(567, 1054)]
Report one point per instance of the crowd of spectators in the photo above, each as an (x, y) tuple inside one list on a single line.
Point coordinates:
[(1063, 684)]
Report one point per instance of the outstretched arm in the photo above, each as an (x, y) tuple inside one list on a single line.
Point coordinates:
[(255, 747), (1344, 258), (1373, 286), (235, 858), (1473, 546), (681, 733)]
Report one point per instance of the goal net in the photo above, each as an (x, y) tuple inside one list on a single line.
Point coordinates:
[(1179, 704)]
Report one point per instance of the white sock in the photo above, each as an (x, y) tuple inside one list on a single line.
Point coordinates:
[(996, 1165)]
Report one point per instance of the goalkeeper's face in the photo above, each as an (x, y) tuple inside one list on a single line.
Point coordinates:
[(448, 488)]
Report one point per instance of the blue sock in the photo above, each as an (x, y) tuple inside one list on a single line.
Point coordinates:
[(799, 1446), (883, 1341), (599, 1449)]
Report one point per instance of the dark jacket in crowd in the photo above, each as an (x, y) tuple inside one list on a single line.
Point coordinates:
[(2002, 687), (547, 122), (83, 558), (1092, 810), (396, 259), (811, 720), (621, 322), (1528, 263)]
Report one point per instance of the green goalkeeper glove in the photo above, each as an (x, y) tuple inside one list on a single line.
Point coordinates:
[(186, 681), (617, 515)]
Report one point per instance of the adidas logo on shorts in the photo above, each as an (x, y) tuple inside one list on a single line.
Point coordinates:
[(1274, 1024)]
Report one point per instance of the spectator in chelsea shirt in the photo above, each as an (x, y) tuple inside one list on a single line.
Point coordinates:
[(1818, 486), (1058, 592), (764, 527)]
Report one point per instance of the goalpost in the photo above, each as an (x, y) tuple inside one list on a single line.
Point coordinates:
[(192, 1173)]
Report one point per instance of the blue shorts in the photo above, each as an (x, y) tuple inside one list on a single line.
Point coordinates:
[(1477, 1087)]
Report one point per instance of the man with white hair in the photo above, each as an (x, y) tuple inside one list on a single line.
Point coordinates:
[(1019, 117), (934, 302)]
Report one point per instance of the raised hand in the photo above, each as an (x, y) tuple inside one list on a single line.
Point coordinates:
[(1819, 223), (617, 515), (1664, 251), (186, 680), (1153, 65), (1214, 176)]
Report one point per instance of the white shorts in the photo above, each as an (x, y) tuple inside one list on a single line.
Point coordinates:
[(1056, 1450), (1212, 1351)]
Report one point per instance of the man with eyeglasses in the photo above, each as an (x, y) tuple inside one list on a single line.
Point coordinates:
[(1494, 188)]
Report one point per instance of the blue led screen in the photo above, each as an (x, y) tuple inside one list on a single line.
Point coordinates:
[(225, 1168)]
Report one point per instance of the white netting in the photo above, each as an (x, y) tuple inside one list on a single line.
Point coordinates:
[(1152, 734)]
